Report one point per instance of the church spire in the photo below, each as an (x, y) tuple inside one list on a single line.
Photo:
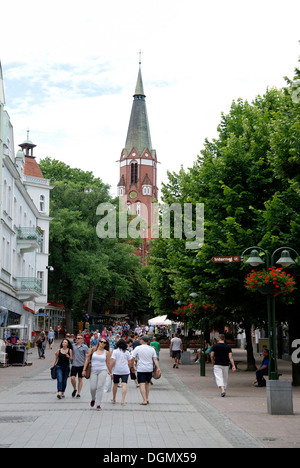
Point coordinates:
[(139, 89), (138, 135), (138, 168)]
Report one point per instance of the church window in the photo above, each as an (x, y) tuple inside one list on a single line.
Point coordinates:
[(134, 173), (147, 190)]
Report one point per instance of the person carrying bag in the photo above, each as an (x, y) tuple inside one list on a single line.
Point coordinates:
[(61, 367), (99, 360)]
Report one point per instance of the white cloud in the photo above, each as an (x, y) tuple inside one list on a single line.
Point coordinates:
[(70, 71)]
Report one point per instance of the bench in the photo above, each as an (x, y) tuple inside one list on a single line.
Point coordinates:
[(194, 346)]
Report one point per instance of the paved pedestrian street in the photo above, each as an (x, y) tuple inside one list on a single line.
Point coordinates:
[(32, 417)]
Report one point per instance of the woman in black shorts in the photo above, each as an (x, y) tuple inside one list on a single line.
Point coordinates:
[(121, 362)]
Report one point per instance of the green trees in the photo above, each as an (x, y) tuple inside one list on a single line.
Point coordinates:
[(248, 180), (90, 274)]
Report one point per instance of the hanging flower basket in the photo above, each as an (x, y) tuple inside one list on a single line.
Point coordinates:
[(272, 281), (192, 311)]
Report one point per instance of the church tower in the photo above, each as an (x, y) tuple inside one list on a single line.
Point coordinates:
[(138, 166)]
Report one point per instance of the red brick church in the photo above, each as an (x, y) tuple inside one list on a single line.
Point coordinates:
[(138, 167)]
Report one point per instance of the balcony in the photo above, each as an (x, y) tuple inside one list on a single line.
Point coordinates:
[(28, 239), (28, 288)]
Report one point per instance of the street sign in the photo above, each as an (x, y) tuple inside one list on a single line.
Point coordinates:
[(228, 259)]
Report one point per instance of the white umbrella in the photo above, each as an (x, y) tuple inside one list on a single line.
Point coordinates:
[(16, 327), (160, 320)]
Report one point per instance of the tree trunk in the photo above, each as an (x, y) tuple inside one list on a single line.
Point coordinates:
[(69, 321), (91, 297), (251, 365)]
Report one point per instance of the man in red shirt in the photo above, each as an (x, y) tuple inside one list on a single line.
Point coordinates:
[(87, 339)]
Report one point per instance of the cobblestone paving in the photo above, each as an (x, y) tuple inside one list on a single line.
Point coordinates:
[(31, 416)]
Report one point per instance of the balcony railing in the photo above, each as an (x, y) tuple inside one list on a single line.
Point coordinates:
[(32, 285), (29, 239), (30, 233)]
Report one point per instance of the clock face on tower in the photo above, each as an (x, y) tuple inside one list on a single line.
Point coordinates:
[(133, 194)]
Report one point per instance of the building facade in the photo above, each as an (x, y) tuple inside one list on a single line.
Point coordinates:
[(138, 167), (24, 228)]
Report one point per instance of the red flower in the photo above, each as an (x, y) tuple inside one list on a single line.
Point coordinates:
[(284, 283)]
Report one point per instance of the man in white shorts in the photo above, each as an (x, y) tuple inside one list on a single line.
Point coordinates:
[(221, 357)]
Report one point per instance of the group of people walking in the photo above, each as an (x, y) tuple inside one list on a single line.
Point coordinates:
[(103, 366), (220, 355), (110, 362)]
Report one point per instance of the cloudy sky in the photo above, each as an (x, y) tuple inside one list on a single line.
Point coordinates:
[(70, 69)]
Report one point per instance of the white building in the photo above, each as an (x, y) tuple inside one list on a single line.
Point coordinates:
[(24, 228)]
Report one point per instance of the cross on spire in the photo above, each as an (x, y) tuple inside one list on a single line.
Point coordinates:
[(140, 56)]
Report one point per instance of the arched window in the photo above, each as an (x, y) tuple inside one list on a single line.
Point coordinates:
[(147, 190), (134, 173), (42, 203)]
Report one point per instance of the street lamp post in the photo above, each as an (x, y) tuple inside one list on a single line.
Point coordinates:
[(285, 260), (202, 354)]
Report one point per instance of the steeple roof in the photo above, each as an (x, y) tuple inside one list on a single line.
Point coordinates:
[(138, 135), (122, 182), (31, 167), (139, 89)]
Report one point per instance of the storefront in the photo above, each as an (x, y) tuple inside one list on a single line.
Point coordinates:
[(52, 316)]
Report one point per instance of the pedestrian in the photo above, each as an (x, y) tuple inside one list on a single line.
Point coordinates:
[(121, 362), (132, 368), (145, 357), (87, 338), (3, 316), (99, 357), (62, 359), (221, 356), (94, 340), (80, 350), (263, 369), (41, 345), (50, 337), (117, 337), (176, 350), (135, 343), (111, 340), (155, 344)]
